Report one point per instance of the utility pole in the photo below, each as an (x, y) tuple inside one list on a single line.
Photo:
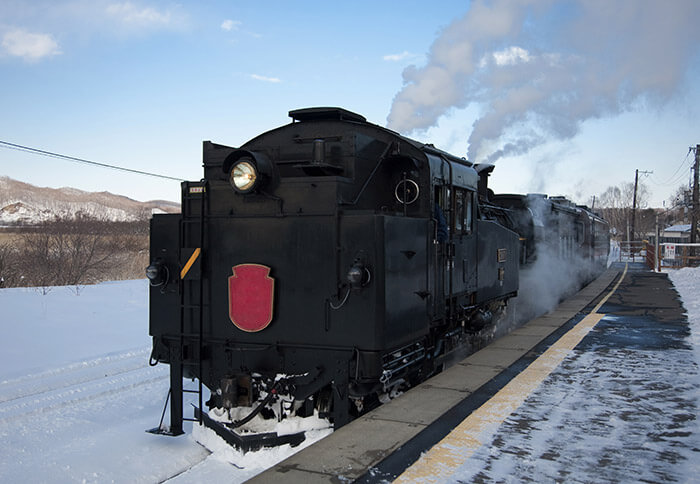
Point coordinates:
[(634, 202), (657, 246), (694, 209), (634, 198)]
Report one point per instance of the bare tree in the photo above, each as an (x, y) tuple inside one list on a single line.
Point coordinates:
[(680, 203), (37, 263), (65, 252), (73, 252), (9, 271), (615, 205), (623, 195)]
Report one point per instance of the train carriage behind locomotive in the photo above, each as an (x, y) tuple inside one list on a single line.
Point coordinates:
[(557, 228), (314, 259)]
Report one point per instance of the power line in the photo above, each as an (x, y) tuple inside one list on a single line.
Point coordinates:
[(27, 149), (673, 179)]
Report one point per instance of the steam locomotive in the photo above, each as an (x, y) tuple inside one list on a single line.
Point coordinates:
[(327, 264)]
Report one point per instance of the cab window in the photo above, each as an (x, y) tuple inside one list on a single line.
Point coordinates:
[(464, 210)]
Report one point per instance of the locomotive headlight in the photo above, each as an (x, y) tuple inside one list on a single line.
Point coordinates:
[(358, 276), (157, 273), (244, 176), (354, 277), (249, 171)]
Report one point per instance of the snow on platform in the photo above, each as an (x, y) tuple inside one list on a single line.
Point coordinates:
[(622, 407)]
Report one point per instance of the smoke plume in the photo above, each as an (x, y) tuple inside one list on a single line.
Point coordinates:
[(559, 268), (537, 69)]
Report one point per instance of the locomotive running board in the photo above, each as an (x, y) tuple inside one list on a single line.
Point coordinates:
[(248, 443)]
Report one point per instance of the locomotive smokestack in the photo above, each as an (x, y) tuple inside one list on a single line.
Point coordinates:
[(483, 185)]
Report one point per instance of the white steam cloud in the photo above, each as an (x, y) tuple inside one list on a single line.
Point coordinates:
[(538, 68), (559, 269)]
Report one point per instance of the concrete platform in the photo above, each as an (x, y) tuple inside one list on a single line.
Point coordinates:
[(348, 454), (612, 396)]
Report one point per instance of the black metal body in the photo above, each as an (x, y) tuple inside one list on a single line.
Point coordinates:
[(371, 288), (568, 231)]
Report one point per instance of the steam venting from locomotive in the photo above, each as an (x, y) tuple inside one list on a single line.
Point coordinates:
[(538, 69), (552, 276)]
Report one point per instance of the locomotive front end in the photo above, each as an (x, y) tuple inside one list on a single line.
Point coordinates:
[(274, 285), (318, 269)]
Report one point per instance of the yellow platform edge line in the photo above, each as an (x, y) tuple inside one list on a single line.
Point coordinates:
[(443, 459)]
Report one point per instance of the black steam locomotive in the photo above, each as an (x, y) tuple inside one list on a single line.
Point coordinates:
[(324, 265)]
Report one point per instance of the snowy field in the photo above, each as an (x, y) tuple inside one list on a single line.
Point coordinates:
[(76, 394)]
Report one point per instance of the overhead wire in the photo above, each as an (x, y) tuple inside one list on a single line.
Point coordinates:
[(673, 179), (36, 151)]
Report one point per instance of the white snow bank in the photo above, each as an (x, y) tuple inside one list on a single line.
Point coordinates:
[(77, 393), (44, 331), (687, 283)]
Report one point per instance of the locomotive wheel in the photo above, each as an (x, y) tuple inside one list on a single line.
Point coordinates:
[(324, 402)]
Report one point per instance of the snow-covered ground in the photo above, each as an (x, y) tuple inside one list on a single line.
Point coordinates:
[(76, 394), (622, 407), (687, 283)]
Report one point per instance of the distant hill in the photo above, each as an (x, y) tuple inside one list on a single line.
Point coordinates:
[(25, 204)]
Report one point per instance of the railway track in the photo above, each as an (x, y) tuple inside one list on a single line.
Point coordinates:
[(98, 407), (72, 384)]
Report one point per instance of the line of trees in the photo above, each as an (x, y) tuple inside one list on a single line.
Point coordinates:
[(615, 205), (74, 252)]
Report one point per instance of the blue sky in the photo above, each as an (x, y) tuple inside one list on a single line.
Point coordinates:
[(142, 83)]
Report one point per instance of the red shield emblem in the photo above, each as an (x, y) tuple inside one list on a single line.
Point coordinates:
[(251, 292)]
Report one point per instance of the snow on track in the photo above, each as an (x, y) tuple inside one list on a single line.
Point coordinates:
[(77, 394), (76, 390), (56, 389), (92, 430)]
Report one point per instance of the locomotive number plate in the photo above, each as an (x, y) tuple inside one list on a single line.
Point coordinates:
[(251, 293)]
